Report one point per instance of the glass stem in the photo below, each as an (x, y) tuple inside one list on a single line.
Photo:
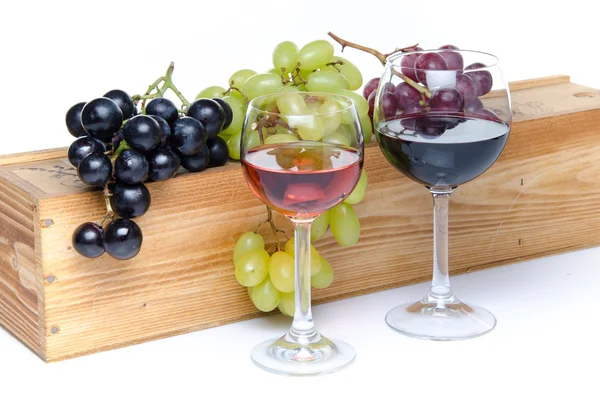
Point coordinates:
[(440, 290), (303, 329)]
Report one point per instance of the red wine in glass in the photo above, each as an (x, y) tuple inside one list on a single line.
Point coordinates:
[(302, 177), (442, 150)]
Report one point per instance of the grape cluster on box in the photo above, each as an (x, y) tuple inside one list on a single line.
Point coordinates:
[(120, 147)]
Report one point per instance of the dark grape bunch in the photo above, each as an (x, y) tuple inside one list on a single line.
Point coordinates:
[(119, 148), (415, 95)]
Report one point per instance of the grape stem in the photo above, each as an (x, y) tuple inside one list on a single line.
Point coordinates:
[(232, 88), (383, 59), (110, 215), (168, 84), (122, 146), (274, 228), (334, 64), (296, 75)]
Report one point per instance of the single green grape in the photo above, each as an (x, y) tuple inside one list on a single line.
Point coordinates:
[(324, 278), (361, 104), (367, 127), (349, 71), (326, 81), (291, 104), (345, 225), (252, 267), (280, 138), (337, 138), (329, 113), (311, 129), (265, 296), (281, 271), (238, 113), (214, 91), (315, 258), (238, 79), (359, 191), (233, 144), (252, 139), (319, 225), (284, 56), (247, 242), (287, 304), (315, 54), (288, 88), (261, 84)]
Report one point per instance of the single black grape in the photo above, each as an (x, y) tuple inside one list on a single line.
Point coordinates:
[(165, 129), (82, 147), (101, 118), (123, 100), (73, 120), (189, 136), (95, 169), (164, 108), (227, 111), (218, 151), (164, 163), (87, 240), (142, 133), (131, 167), (130, 201), (196, 162), (210, 113), (122, 239)]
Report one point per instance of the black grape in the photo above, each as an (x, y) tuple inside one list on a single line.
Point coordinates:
[(196, 162), (164, 163), (218, 151), (82, 147), (122, 99), (101, 118), (122, 239), (210, 113), (227, 112), (164, 108), (87, 240), (142, 133), (95, 169), (131, 167), (165, 129), (73, 120), (189, 136), (130, 201)]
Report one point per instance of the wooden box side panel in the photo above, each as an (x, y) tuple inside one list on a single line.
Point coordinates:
[(21, 295)]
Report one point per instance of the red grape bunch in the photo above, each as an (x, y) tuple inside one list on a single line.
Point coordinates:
[(119, 148)]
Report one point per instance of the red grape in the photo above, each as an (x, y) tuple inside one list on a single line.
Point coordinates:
[(446, 99), (428, 61), (453, 59), (473, 106), (371, 86), (482, 78), (371, 101), (389, 105), (406, 96), (388, 87), (408, 65), (466, 87)]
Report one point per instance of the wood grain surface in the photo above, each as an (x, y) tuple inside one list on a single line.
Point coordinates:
[(541, 197)]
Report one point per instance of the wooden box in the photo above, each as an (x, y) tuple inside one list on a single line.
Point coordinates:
[(542, 197)]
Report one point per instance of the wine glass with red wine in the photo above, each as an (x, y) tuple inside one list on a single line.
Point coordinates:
[(442, 117), (302, 154)]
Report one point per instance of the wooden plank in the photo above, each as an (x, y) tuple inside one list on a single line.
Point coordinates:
[(20, 294), (40, 155), (538, 82)]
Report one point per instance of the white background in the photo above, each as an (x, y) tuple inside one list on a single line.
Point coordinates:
[(54, 54)]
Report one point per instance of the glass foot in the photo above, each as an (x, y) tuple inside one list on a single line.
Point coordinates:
[(440, 320), (289, 358)]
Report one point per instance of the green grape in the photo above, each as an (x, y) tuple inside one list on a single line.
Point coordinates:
[(238, 114), (280, 138), (279, 129), (359, 191), (326, 81), (238, 79), (315, 54), (311, 129), (361, 104), (349, 71), (252, 139), (367, 127), (319, 225), (329, 113), (345, 225), (281, 271), (291, 104), (261, 84), (214, 91), (252, 267), (337, 138), (247, 242), (288, 88), (287, 304), (265, 296), (324, 278), (284, 56), (233, 144), (315, 258)]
